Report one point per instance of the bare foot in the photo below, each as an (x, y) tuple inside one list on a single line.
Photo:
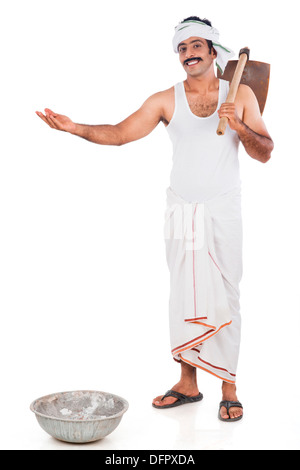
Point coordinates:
[(229, 394)]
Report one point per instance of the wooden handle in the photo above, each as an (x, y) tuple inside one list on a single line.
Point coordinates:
[(234, 88)]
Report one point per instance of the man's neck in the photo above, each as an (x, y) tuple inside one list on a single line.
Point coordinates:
[(202, 83)]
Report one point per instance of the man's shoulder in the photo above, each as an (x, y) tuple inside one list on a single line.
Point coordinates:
[(161, 104), (245, 94), (161, 101), (164, 94), (245, 91)]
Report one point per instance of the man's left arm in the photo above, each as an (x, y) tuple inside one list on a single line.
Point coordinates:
[(244, 117)]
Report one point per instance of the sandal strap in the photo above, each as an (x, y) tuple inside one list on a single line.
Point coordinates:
[(172, 393), (230, 404)]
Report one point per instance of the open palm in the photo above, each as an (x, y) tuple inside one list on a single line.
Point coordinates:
[(57, 121)]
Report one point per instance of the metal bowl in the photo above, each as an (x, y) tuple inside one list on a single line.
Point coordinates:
[(81, 416)]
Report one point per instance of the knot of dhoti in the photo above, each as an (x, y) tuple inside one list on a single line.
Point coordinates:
[(195, 28), (204, 292)]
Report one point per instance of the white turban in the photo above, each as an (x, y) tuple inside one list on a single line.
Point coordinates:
[(199, 29)]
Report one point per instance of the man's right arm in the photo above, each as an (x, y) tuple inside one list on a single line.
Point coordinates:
[(136, 126)]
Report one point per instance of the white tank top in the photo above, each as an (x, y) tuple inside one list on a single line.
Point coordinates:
[(205, 165)]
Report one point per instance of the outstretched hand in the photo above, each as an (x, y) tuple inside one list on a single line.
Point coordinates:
[(57, 121)]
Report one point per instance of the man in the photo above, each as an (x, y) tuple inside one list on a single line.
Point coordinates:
[(204, 299)]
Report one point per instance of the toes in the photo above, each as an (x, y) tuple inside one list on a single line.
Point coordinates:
[(166, 401), (157, 400), (224, 413), (235, 413)]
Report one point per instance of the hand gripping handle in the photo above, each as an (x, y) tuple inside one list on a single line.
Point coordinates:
[(244, 56)]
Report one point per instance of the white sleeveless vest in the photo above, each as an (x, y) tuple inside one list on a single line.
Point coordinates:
[(205, 165)]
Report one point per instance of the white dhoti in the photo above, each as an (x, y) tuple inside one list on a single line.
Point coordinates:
[(204, 255)]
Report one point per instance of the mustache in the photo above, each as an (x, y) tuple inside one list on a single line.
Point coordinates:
[(190, 60)]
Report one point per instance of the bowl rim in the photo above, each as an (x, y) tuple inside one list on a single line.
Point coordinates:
[(54, 418)]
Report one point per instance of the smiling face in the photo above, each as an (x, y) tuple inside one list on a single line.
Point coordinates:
[(195, 56)]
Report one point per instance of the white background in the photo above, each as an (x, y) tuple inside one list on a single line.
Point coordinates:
[(83, 276)]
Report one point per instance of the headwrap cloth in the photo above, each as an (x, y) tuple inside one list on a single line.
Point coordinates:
[(199, 29)]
